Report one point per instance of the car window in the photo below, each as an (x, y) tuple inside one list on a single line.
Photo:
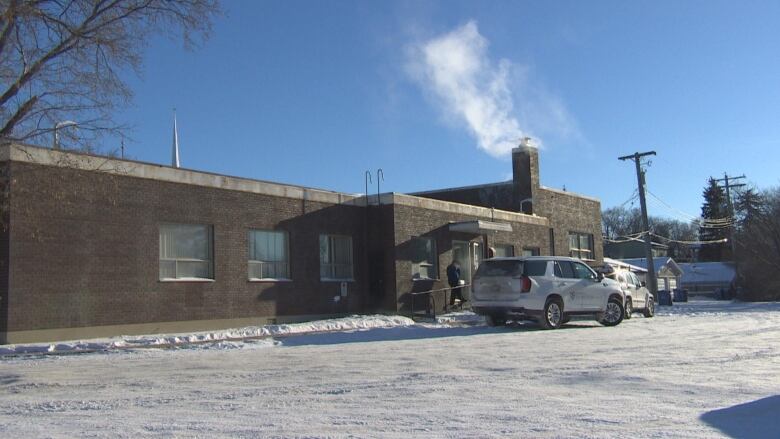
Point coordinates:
[(581, 271), (535, 268), (621, 279), (495, 268), (635, 280), (563, 269)]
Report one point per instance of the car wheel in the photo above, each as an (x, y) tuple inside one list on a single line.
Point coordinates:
[(552, 314), (649, 309), (614, 313), (495, 320), (629, 308)]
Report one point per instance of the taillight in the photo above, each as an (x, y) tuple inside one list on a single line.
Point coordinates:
[(526, 283)]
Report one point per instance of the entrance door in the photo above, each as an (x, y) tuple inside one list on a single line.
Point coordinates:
[(469, 255)]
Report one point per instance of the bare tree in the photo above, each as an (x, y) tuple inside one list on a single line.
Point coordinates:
[(758, 248), (61, 59), (619, 222)]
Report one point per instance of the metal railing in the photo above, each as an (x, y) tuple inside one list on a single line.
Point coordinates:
[(431, 300)]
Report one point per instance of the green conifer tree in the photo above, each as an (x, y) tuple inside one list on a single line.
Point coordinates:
[(713, 212)]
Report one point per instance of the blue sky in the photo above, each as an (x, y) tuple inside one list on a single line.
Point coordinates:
[(316, 93)]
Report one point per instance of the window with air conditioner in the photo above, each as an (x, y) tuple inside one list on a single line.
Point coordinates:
[(268, 255), (186, 252)]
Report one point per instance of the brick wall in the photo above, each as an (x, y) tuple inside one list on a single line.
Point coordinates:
[(566, 212), (84, 251), (570, 213), (499, 196), (414, 221), (82, 247)]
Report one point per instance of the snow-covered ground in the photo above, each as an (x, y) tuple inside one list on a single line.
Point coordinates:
[(701, 369)]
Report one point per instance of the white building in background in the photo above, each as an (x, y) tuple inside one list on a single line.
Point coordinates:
[(668, 274)]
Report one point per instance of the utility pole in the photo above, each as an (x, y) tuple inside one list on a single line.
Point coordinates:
[(726, 184), (640, 177)]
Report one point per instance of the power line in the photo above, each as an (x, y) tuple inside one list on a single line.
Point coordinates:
[(698, 222), (697, 242), (627, 238), (725, 221), (633, 197)]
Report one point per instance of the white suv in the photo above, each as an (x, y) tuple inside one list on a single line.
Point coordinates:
[(638, 297), (549, 289)]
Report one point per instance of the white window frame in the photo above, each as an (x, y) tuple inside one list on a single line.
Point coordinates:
[(531, 251), (256, 262), (432, 265), (176, 260), (331, 267), (585, 254), (504, 246)]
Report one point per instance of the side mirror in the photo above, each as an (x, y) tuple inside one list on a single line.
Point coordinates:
[(599, 276), (644, 284)]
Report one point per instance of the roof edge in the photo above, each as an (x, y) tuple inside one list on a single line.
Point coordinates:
[(19, 152)]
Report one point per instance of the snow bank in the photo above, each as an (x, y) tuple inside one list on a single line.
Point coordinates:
[(223, 339), (237, 338)]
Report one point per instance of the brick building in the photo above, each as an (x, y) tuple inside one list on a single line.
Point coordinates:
[(92, 246)]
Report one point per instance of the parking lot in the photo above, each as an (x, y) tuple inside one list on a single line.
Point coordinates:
[(701, 369)]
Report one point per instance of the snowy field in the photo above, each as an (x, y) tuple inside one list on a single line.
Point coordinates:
[(702, 369)]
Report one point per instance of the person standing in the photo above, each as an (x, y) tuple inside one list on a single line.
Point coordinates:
[(453, 278)]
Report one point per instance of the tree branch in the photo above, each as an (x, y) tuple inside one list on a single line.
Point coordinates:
[(9, 20), (21, 112)]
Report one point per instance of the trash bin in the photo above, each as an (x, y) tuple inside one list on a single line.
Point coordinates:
[(680, 295), (665, 297)]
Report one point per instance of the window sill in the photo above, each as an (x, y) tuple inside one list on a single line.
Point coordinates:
[(337, 280), (187, 279), (424, 279), (268, 280)]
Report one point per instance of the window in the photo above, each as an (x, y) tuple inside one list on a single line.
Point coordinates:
[(564, 269), (424, 259), (635, 279), (535, 268), (503, 250), (581, 271), (268, 255), (335, 257), (186, 251), (500, 268), (531, 251), (581, 245)]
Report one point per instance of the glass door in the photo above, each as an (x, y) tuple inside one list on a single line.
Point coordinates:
[(469, 255)]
